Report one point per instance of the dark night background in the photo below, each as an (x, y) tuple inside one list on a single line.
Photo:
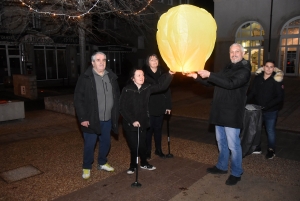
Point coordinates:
[(206, 4)]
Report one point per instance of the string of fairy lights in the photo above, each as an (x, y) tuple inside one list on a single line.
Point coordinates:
[(31, 8)]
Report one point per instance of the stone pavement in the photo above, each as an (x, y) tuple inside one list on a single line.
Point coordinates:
[(52, 143)]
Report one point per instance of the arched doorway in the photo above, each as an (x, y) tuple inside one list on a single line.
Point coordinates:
[(250, 35), (289, 50)]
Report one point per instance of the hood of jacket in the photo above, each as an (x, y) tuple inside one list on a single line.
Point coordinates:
[(277, 74)]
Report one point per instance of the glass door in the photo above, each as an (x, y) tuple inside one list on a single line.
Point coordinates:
[(292, 61)]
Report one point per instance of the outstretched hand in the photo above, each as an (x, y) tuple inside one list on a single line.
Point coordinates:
[(204, 73), (190, 74), (172, 72)]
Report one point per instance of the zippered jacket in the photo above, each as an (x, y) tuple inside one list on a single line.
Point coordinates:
[(134, 102), (231, 85), (267, 93), (86, 102)]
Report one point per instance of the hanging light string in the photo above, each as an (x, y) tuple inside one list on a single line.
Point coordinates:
[(87, 12), (58, 14), (133, 13)]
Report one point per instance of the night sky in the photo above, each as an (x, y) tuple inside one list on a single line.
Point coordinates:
[(206, 4)]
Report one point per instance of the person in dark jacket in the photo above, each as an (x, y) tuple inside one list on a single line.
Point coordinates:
[(267, 91), (96, 100), (227, 111), (159, 104), (134, 110)]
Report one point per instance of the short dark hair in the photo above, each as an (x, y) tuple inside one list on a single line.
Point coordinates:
[(133, 70), (148, 57), (269, 61)]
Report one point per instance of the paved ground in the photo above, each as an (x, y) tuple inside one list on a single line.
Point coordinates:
[(52, 143)]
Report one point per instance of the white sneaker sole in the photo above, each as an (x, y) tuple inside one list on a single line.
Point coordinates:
[(145, 168)]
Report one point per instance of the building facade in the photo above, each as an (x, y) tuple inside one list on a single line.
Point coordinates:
[(268, 29)]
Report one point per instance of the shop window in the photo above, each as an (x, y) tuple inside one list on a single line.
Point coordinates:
[(250, 36), (50, 62)]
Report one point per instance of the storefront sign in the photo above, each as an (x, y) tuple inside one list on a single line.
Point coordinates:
[(66, 40), (8, 37), (37, 39)]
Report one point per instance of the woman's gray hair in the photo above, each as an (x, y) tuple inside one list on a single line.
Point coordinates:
[(93, 56)]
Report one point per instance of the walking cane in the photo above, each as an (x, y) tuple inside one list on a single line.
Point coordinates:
[(169, 155), (136, 183)]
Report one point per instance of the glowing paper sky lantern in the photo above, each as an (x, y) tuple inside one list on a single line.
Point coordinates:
[(186, 37)]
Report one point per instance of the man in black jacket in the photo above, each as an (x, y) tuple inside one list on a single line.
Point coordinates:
[(227, 110), (96, 101)]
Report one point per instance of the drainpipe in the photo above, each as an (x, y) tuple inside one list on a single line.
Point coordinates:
[(270, 29)]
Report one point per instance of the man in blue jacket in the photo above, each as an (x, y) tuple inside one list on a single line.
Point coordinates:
[(227, 111), (96, 101)]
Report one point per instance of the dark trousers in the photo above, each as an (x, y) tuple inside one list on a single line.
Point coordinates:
[(90, 141), (132, 140), (156, 123)]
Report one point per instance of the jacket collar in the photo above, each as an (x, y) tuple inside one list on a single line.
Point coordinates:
[(89, 72), (277, 74), (133, 86)]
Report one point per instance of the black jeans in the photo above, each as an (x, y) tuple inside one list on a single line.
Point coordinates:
[(132, 140), (156, 123)]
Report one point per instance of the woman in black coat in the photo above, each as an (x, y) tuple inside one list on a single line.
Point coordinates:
[(134, 109), (159, 104)]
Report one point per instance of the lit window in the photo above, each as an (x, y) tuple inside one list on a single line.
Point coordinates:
[(250, 36)]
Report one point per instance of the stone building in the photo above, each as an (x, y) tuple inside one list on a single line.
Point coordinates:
[(268, 29)]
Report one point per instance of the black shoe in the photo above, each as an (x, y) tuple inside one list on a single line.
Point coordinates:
[(148, 155), (232, 180), (160, 153), (270, 154), (215, 170), (148, 167)]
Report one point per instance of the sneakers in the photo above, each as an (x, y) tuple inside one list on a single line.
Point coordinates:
[(215, 170), (257, 151), (86, 173), (105, 167), (232, 180), (130, 170), (270, 154), (148, 167)]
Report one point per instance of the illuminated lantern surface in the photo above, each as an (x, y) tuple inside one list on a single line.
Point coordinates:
[(186, 37)]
